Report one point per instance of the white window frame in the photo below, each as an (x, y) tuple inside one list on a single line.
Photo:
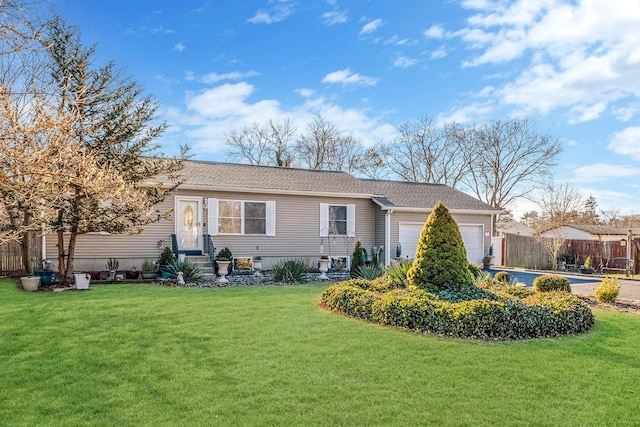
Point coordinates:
[(324, 219), (270, 220)]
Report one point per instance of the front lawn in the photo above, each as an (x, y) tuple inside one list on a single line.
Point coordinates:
[(161, 356)]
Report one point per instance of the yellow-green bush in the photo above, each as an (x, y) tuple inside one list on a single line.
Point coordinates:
[(504, 317), (502, 277), (550, 283), (608, 290), (441, 258)]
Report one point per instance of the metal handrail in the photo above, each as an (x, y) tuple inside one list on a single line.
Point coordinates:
[(210, 249)]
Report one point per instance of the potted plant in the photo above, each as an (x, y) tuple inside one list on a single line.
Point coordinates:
[(223, 264), (112, 267), (132, 274), (148, 269), (587, 267), (82, 280), (31, 282)]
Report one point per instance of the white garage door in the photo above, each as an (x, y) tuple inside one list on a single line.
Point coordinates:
[(472, 237)]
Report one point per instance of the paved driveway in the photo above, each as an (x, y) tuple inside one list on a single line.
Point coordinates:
[(580, 285)]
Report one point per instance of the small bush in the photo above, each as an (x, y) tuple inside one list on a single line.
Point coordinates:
[(290, 271), (357, 260), (588, 263), (502, 277), (608, 290), (475, 270), (190, 271), (551, 283), (368, 272)]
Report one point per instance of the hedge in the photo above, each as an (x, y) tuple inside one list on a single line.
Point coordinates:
[(507, 317)]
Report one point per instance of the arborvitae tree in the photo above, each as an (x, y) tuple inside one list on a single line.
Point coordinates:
[(441, 259), (357, 259)]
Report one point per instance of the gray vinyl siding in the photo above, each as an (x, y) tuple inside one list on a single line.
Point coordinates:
[(298, 228), (297, 233)]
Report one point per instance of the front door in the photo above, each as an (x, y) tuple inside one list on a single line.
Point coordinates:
[(189, 223)]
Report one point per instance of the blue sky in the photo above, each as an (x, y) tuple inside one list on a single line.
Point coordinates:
[(572, 67)]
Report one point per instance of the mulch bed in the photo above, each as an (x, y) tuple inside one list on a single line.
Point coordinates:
[(624, 306)]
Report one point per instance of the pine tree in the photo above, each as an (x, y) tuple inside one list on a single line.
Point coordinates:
[(441, 259), (115, 124)]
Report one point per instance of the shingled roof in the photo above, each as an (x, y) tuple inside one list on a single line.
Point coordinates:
[(604, 230), (233, 176), (416, 195), (388, 194)]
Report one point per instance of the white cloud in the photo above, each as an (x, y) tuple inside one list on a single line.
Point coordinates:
[(582, 55), (585, 113), (211, 113), (346, 77), (469, 114), (212, 78), (371, 26), (441, 52), (335, 17), (600, 172), (404, 62), (434, 32), (627, 142), (279, 12), (179, 47)]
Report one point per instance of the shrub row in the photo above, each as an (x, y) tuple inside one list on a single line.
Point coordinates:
[(537, 315)]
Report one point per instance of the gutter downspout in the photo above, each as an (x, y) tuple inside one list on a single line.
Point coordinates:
[(387, 237)]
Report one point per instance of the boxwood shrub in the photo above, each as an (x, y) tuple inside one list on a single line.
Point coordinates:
[(507, 314), (549, 283)]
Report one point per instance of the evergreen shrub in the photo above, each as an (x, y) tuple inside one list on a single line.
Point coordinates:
[(608, 290), (441, 259), (536, 315), (502, 277), (551, 283)]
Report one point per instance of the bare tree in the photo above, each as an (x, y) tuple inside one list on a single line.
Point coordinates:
[(323, 146), (262, 144), (510, 158), (424, 152), (558, 205)]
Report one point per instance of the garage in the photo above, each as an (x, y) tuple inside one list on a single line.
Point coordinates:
[(472, 236)]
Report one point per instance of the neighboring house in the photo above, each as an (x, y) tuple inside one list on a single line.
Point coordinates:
[(602, 233), (513, 227), (278, 213)]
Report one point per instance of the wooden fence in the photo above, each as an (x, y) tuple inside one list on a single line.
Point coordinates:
[(527, 252), (11, 257)]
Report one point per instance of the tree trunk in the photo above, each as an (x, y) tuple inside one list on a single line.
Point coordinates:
[(25, 246)]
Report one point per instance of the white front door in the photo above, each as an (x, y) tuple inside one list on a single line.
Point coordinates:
[(189, 223)]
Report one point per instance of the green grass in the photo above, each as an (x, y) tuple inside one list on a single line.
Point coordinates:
[(136, 355)]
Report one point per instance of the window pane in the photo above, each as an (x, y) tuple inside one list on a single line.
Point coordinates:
[(337, 213), (227, 209), (338, 220), (255, 226), (255, 210), (229, 225)]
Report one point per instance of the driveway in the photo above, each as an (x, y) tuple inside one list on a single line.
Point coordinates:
[(580, 284)]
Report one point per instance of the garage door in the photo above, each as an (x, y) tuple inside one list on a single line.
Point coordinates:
[(472, 237)]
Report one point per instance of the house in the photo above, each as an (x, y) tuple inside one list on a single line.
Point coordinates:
[(513, 227), (602, 233), (278, 213)]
